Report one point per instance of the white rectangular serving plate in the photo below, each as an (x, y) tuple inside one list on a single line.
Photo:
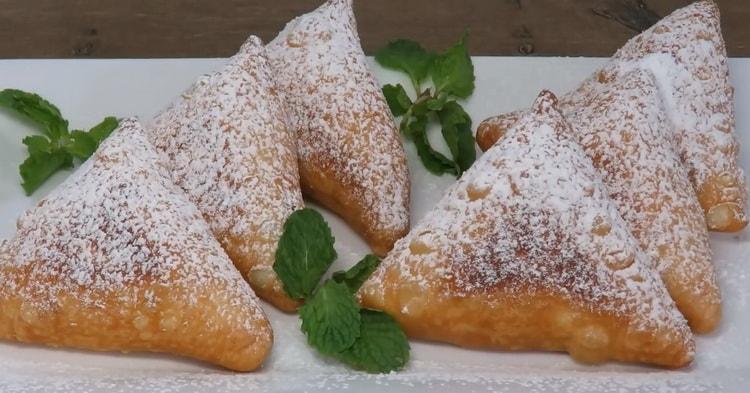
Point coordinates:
[(88, 90)]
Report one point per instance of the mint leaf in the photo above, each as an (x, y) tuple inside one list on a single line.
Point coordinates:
[(330, 318), (407, 56), (453, 72), (436, 104), (381, 347), (37, 144), (433, 160), (456, 129), (35, 108), (358, 274), (305, 252), (37, 168), (101, 131), (397, 99), (414, 126), (82, 145)]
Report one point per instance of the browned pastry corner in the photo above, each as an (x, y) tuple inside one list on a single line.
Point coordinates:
[(118, 259), (350, 153), (527, 251), (494, 128), (227, 144), (686, 53)]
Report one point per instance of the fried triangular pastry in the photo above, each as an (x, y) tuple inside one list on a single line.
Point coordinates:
[(527, 251), (118, 259), (228, 146), (351, 157), (618, 118), (686, 53)]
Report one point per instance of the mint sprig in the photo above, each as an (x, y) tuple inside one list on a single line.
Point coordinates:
[(333, 322), (58, 147), (452, 77)]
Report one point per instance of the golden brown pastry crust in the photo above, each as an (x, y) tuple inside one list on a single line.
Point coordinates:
[(540, 322), (112, 325), (350, 153), (526, 251), (118, 259), (618, 118), (228, 146)]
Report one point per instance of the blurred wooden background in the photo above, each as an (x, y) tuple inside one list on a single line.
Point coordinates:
[(215, 28)]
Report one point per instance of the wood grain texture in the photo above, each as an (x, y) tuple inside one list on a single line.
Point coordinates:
[(191, 28)]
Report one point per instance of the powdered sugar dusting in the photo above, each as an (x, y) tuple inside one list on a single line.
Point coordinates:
[(344, 126), (532, 215), (721, 364), (227, 144), (686, 53), (619, 120), (119, 223)]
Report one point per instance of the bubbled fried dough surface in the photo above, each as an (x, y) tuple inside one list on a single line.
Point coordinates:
[(350, 152), (228, 146), (526, 251), (687, 54), (619, 119), (620, 123), (117, 259)]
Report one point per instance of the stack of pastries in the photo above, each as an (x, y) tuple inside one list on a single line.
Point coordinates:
[(146, 246), (658, 122), (583, 228)]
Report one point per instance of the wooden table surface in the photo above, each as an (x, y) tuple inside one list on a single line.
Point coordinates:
[(191, 28)]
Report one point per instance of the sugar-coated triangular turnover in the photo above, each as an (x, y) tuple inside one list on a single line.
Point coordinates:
[(686, 53), (350, 152), (227, 144), (618, 118), (118, 259), (526, 251)]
